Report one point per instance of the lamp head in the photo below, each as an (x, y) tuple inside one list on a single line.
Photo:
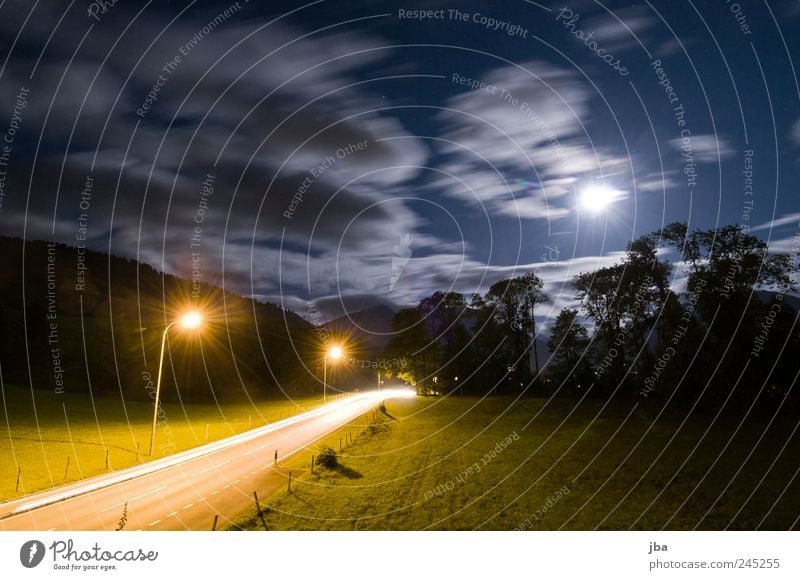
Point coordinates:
[(335, 352), (191, 320)]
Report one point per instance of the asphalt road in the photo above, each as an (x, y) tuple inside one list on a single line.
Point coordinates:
[(186, 490)]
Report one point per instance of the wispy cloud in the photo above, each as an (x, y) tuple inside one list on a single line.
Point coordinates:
[(706, 148), (531, 124), (786, 219)]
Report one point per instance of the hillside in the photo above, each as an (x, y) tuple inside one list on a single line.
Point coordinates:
[(80, 321), (370, 327)]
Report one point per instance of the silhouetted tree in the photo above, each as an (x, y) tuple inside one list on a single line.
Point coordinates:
[(624, 300), (567, 343), (514, 302)]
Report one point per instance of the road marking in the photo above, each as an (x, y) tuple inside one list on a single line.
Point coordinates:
[(213, 467), (202, 499), (172, 514), (187, 506), (226, 487), (237, 481), (263, 468), (117, 505), (51, 530), (254, 472), (259, 449), (155, 523), (245, 477), (215, 492)]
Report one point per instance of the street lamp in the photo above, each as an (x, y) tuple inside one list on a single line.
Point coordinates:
[(335, 352), (189, 321)]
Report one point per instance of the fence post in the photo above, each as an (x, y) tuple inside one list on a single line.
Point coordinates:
[(19, 473), (214, 525), (275, 464), (106, 459), (258, 508), (290, 482), (67, 469)]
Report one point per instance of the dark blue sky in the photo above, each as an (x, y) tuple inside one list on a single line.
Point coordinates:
[(352, 162)]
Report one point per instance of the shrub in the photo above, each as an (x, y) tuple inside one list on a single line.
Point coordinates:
[(327, 458)]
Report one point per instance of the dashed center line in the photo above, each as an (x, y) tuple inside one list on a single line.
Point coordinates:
[(226, 487), (215, 492), (202, 499), (117, 505), (172, 514), (213, 467), (155, 523), (187, 506)]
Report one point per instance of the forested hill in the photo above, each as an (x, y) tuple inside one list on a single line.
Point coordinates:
[(75, 319)]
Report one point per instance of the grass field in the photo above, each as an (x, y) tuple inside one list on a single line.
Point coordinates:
[(40, 439), (462, 463)]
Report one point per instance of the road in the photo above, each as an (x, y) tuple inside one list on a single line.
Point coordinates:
[(187, 490)]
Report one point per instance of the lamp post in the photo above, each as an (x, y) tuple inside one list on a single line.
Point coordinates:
[(335, 352), (189, 321)]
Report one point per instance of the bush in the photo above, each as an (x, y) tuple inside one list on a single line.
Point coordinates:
[(327, 458), (376, 428)]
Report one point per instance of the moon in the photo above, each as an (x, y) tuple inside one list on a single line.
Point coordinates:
[(597, 198)]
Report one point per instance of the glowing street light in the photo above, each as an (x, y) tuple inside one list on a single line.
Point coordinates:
[(335, 353), (191, 320)]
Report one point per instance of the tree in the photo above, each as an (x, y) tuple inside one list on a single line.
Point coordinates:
[(624, 300), (488, 349), (514, 302), (728, 262), (443, 312), (568, 341), (410, 338), (727, 265)]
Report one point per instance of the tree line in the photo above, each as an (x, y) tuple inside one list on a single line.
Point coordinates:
[(730, 336)]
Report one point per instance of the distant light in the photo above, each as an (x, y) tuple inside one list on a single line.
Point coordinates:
[(394, 394), (335, 352), (596, 198), (191, 320)]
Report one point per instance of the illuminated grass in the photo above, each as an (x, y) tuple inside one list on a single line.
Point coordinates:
[(68, 427), (405, 476)]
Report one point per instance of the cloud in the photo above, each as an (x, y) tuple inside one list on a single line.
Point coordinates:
[(243, 119), (529, 126), (621, 30), (795, 135), (786, 219), (706, 148), (657, 182)]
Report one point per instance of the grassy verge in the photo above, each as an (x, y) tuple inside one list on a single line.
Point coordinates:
[(461, 463), (63, 438)]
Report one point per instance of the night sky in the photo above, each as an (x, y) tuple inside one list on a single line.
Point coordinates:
[(338, 155)]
